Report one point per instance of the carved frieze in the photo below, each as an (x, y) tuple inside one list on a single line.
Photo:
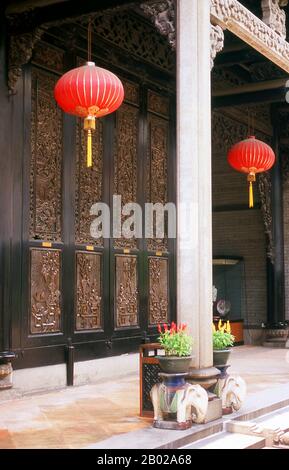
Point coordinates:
[(46, 160), (157, 172), (88, 183), (131, 92), (88, 291), (158, 290), (125, 162), (45, 296), (232, 15), (49, 57), (274, 16), (126, 291), (265, 190)]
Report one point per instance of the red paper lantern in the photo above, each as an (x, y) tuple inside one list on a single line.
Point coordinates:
[(251, 156), (89, 92)]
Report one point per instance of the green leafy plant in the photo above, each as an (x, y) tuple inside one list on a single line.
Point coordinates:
[(175, 340), (222, 337)]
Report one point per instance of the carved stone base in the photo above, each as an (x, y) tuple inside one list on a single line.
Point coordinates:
[(172, 425), (214, 410)]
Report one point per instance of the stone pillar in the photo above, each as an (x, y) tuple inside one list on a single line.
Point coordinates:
[(194, 244)]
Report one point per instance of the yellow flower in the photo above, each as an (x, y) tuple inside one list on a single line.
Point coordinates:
[(214, 328), (220, 325), (228, 327)]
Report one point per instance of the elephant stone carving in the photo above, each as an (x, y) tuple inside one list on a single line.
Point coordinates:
[(191, 403), (232, 392)]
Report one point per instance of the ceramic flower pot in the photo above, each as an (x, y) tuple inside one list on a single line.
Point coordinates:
[(175, 364), (221, 356)]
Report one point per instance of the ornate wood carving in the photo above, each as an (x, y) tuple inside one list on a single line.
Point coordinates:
[(158, 290), (45, 296), (162, 14), (88, 291), (265, 190), (125, 162), (89, 183), (158, 104), (126, 291), (274, 16), (49, 57), (133, 34), (131, 92), (46, 160), (20, 52), (232, 15), (217, 42), (157, 171)]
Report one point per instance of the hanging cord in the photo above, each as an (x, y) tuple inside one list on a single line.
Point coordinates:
[(89, 34), (89, 122)]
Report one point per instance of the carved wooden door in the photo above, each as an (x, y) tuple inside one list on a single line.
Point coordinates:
[(104, 295)]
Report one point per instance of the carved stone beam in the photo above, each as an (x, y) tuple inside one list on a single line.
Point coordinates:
[(274, 16), (231, 15), (162, 15)]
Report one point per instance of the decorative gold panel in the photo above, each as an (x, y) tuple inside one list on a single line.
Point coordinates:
[(131, 92), (158, 104), (88, 183), (48, 56), (158, 290), (45, 296), (46, 160), (125, 162), (88, 287), (126, 291), (157, 171)]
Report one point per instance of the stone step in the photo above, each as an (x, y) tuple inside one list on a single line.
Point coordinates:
[(227, 440)]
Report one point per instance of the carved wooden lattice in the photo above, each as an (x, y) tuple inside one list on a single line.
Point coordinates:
[(49, 57), (88, 291), (88, 183), (126, 291), (125, 162), (157, 166), (158, 290), (46, 159), (45, 301), (138, 38)]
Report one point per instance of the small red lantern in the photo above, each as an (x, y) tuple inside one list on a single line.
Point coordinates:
[(89, 92), (251, 156)]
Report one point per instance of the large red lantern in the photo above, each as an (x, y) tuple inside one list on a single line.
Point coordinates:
[(251, 156), (89, 92)]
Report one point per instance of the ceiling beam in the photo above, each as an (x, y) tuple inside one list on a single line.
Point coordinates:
[(252, 87), (276, 95)]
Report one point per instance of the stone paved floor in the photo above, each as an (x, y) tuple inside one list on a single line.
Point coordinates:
[(77, 417)]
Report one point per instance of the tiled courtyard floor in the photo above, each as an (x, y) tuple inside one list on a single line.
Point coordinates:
[(80, 416)]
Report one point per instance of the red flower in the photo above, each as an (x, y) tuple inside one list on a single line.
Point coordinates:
[(166, 327), (159, 328)]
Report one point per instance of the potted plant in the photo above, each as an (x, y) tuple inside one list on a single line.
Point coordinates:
[(223, 340), (177, 344)]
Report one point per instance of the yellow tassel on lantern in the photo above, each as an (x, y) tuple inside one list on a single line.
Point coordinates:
[(89, 149), (251, 180), (89, 126)]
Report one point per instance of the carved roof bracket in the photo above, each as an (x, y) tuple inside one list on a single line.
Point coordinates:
[(20, 52), (162, 15)]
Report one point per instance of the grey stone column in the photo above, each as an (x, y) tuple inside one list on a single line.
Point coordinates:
[(194, 243)]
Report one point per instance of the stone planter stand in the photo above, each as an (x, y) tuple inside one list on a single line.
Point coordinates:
[(6, 370)]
